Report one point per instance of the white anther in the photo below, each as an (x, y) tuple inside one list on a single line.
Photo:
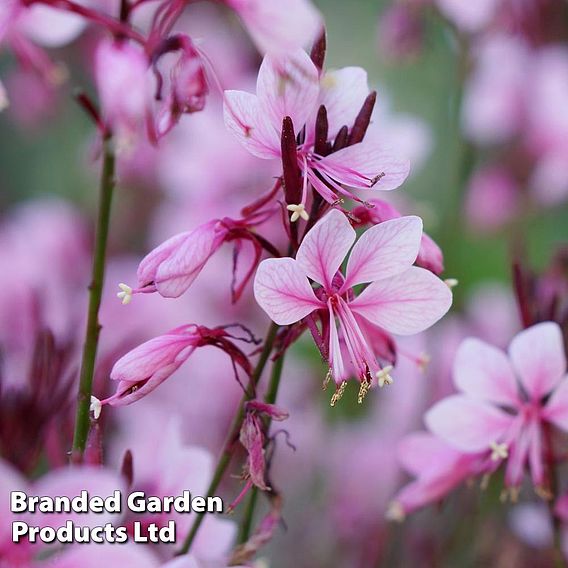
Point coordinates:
[(383, 376), (395, 512), (297, 212), (95, 407), (451, 282), (125, 294), (499, 451)]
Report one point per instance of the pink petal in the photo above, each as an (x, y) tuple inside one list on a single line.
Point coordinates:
[(177, 272), (277, 26), (422, 453), (287, 86), (556, 410), (358, 165), (430, 255), (243, 118), (283, 291), (384, 250), (107, 555), (325, 247), (343, 93), (252, 439), (538, 357), (405, 304), (466, 424), (149, 265), (484, 372)]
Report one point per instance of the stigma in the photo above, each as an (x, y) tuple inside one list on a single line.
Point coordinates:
[(125, 294), (383, 376), (298, 211), (498, 451), (95, 407)]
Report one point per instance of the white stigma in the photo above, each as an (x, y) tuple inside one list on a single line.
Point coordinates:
[(96, 407), (125, 294), (383, 376), (499, 451), (451, 282), (423, 361), (395, 512), (297, 212)]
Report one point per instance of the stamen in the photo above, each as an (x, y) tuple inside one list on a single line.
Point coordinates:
[(326, 380), (297, 212), (377, 178), (4, 102), (451, 282), (95, 407), (485, 482), (499, 451), (423, 361), (511, 493), (338, 393), (126, 293), (544, 493), (383, 376), (363, 390), (395, 512)]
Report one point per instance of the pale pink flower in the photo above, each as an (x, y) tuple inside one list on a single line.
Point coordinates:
[(438, 467), (493, 198), (290, 88), (494, 98), (401, 298), (171, 268), (277, 26), (469, 16), (144, 368), (124, 83), (507, 401), (147, 366)]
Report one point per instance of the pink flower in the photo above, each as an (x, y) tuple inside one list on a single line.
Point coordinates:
[(277, 26), (124, 83), (507, 401), (171, 268), (400, 298), (288, 96), (469, 16), (147, 366), (438, 468)]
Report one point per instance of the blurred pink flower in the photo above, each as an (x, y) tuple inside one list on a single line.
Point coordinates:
[(492, 198), (438, 468), (277, 26), (469, 16), (124, 83), (494, 99), (477, 421), (288, 88), (400, 298)]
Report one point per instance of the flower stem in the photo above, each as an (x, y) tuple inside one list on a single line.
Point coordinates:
[(270, 398), (82, 420), (227, 453)]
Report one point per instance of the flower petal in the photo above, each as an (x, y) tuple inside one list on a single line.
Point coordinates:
[(243, 118), (282, 290), (384, 250), (287, 86), (556, 410), (405, 304), (484, 372), (343, 93), (325, 247), (361, 164), (466, 424), (177, 272), (538, 357)]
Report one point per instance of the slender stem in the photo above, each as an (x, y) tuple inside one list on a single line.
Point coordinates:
[(270, 398), (227, 453), (82, 421)]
